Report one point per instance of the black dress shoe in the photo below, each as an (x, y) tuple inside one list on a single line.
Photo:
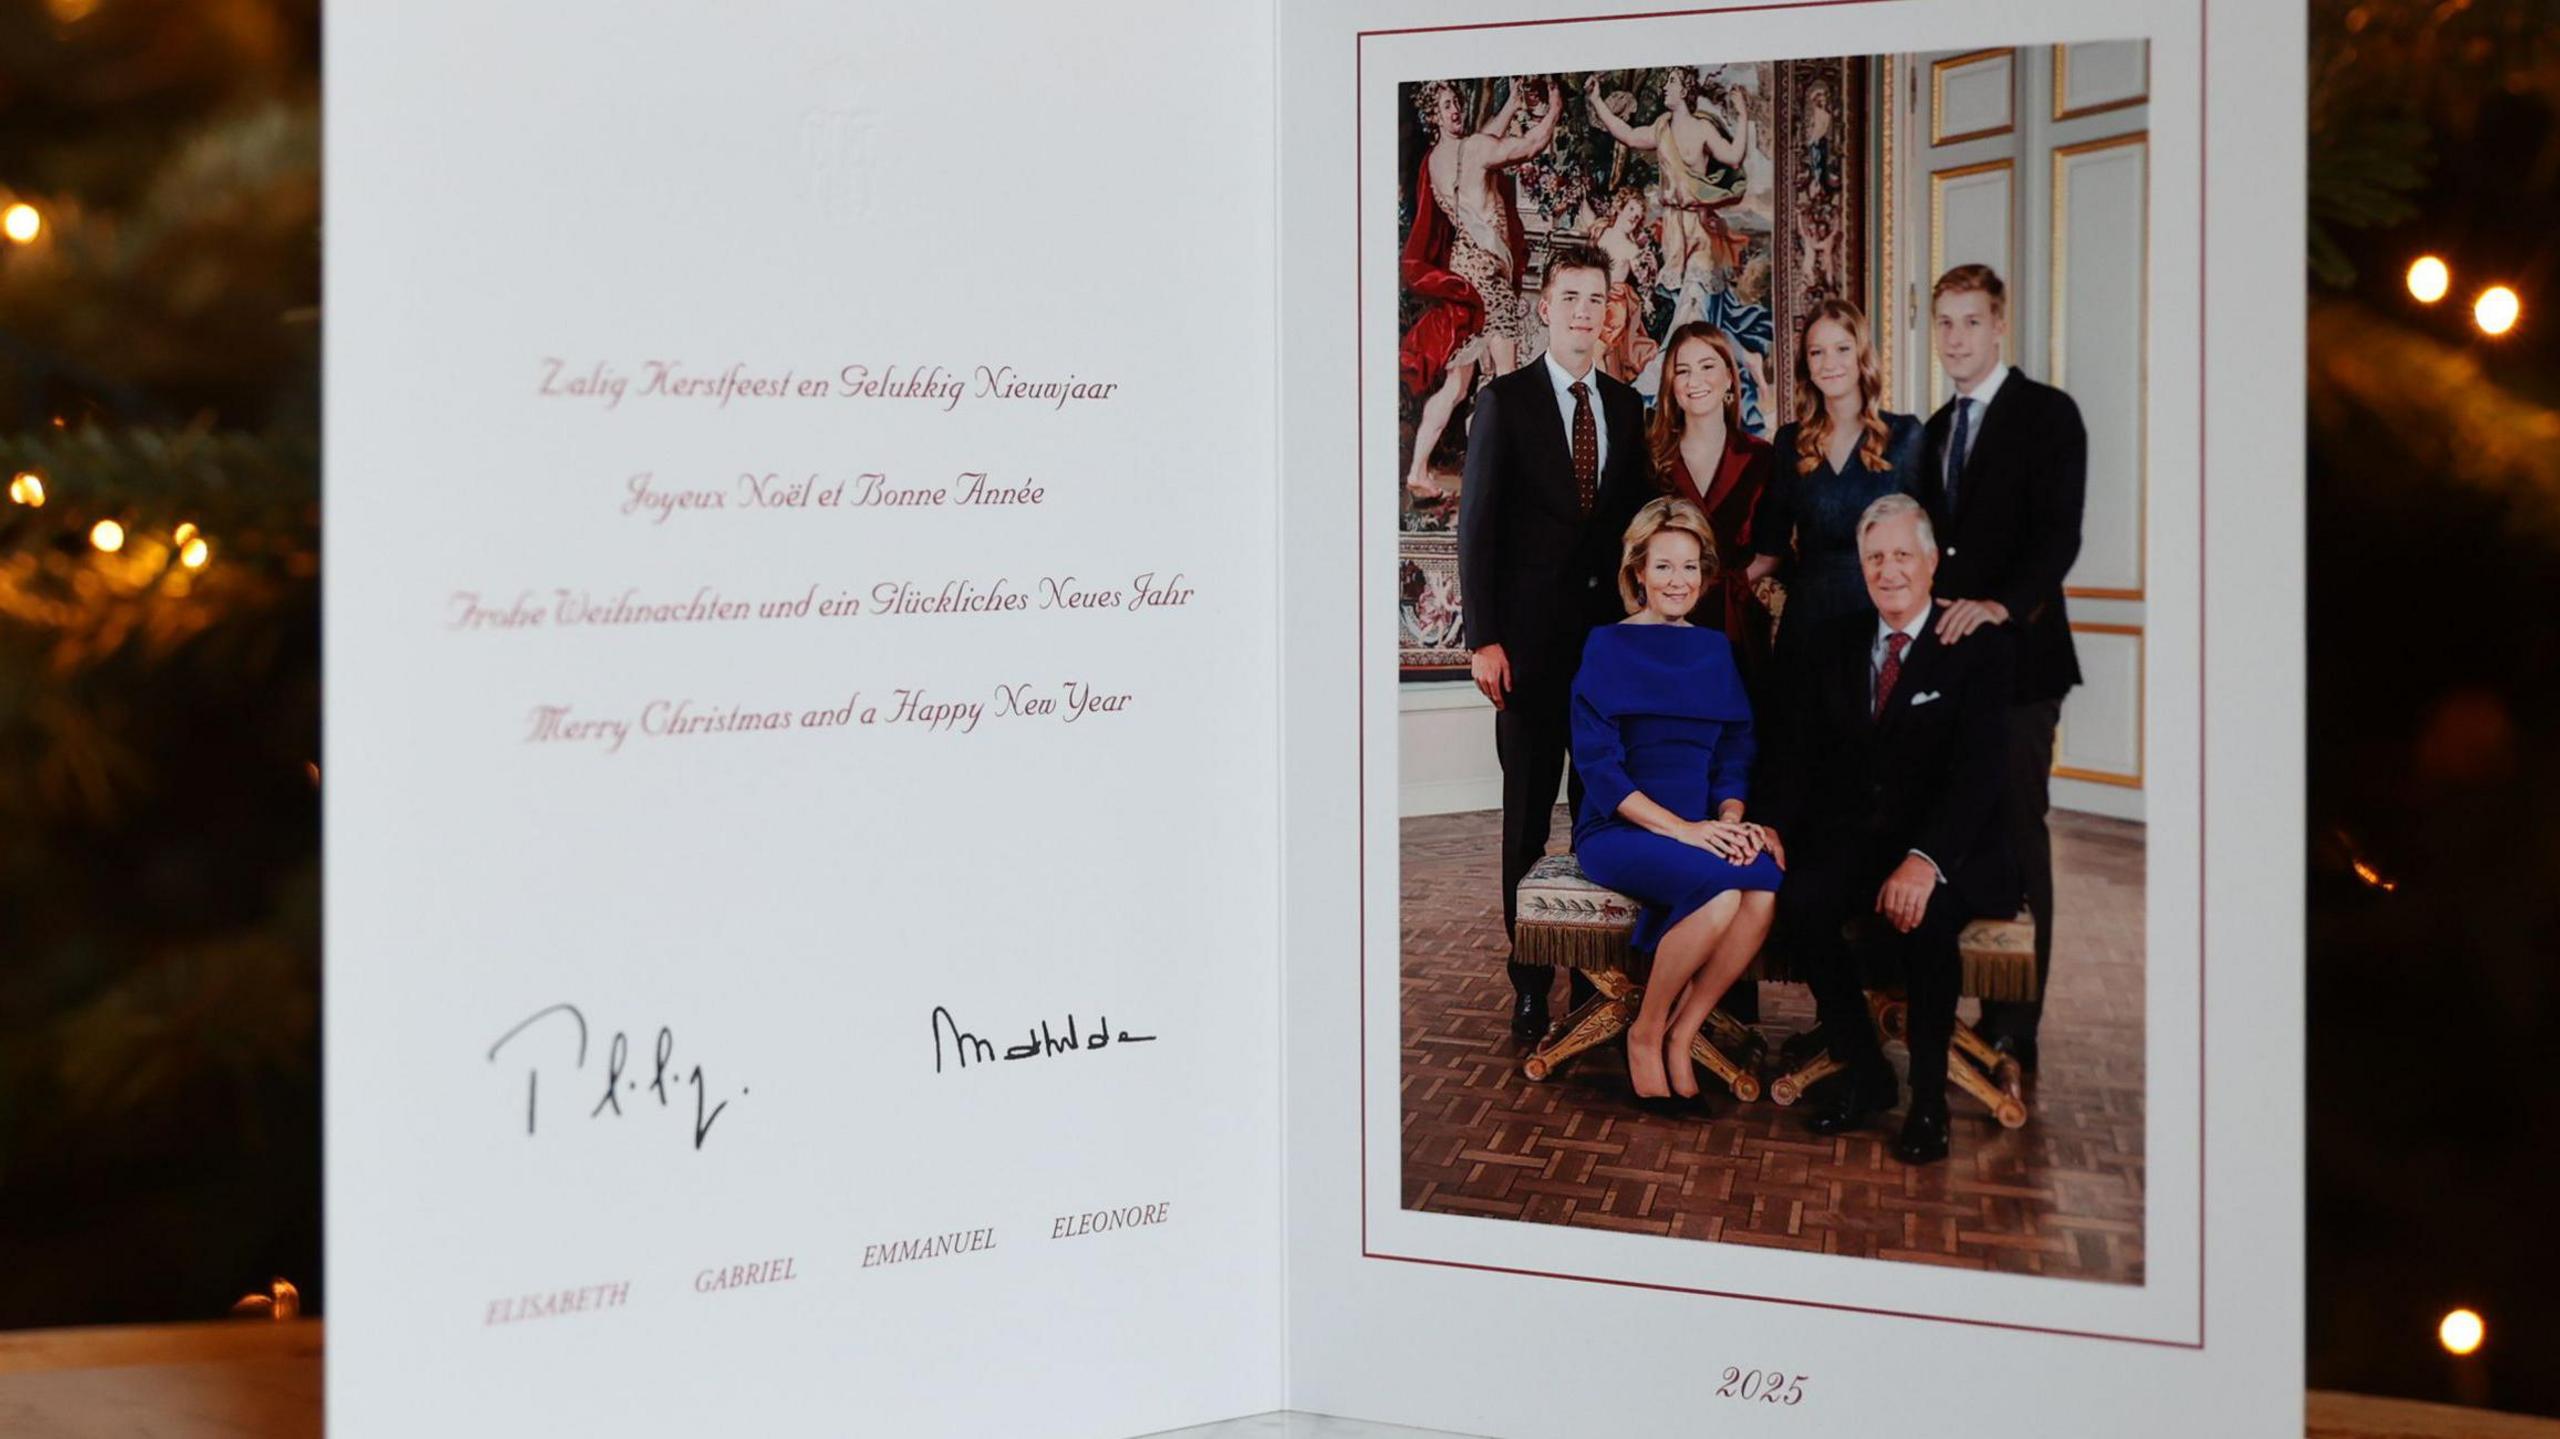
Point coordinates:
[(1672, 1106), (1924, 1136), (1529, 1018), (1858, 1099), (2021, 1050), (1799, 1048)]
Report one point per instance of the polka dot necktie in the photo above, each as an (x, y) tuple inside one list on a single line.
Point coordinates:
[(1889, 673), (1586, 448)]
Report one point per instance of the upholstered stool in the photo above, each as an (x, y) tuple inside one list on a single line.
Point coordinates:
[(1564, 918), (1999, 963)]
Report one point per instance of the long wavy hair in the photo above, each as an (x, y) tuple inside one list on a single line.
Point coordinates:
[(1813, 415), (1670, 422)]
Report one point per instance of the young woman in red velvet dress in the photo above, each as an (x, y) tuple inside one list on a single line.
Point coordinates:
[(1702, 454)]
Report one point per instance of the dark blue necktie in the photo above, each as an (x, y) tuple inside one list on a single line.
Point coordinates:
[(1957, 446)]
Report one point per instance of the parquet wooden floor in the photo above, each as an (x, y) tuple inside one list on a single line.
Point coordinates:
[(2062, 1196)]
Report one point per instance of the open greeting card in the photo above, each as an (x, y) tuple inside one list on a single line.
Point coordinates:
[(1496, 716)]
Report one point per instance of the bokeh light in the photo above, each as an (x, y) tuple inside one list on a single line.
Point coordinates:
[(2497, 310), (107, 535), (2462, 1332), (21, 223), (28, 489), (2430, 279)]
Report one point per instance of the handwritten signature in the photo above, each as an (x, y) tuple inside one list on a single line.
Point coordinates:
[(969, 1049), (618, 1082)]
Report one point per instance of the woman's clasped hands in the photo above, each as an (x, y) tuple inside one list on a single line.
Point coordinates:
[(1733, 839)]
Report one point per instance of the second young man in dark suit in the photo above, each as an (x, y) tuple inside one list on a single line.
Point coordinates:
[(1556, 468), (2004, 469)]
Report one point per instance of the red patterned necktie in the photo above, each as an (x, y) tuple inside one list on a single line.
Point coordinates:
[(1586, 448), (1889, 673)]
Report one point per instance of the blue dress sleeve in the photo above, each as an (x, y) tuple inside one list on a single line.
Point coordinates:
[(1737, 745), (1599, 752)]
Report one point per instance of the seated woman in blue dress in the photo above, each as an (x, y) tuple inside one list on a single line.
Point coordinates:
[(1662, 740)]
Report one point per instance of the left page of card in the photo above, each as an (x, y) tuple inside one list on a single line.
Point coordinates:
[(799, 790)]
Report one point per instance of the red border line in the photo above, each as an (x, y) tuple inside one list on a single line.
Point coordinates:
[(1360, 616), (1631, 15), (1360, 534), (1782, 1299)]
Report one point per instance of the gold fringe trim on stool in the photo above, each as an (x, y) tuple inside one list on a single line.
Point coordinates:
[(2000, 959), (1580, 946)]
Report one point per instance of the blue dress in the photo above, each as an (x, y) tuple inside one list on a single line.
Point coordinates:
[(1818, 510), (1660, 709)]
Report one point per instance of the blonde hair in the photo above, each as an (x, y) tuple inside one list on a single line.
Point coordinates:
[(1670, 513), (1813, 413), (1670, 422)]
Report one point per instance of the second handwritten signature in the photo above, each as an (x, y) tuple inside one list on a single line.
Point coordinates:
[(1040, 1042)]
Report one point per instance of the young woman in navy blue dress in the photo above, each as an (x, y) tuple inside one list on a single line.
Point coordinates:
[(1844, 452), (1662, 739)]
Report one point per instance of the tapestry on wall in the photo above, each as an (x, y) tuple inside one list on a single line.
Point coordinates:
[(1732, 194)]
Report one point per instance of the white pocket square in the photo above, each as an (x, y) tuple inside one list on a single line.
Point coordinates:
[(1918, 700)]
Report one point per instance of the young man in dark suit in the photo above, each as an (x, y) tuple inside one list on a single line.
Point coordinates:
[(1884, 792), (1556, 468), (2004, 470)]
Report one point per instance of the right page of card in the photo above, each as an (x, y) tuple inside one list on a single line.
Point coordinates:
[(1791, 558)]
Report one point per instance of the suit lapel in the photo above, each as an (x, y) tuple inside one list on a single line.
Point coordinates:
[(1853, 672), (1933, 458), (1623, 410), (1547, 423)]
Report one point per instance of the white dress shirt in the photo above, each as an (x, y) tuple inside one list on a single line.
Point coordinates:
[(1564, 383)]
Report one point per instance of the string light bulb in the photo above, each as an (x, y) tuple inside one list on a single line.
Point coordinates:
[(2497, 310), (107, 535), (2430, 279), (185, 531), (28, 489), (21, 223), (2462, 1332), (194, 553)]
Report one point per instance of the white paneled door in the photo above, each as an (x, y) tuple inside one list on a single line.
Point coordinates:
[(2035, 161)]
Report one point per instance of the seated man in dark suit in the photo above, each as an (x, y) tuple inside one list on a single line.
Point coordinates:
[(1883, 782)]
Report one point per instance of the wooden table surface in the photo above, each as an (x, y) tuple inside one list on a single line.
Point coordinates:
[(257, 1380)]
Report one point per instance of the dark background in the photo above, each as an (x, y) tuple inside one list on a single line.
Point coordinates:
[(159, 820), (2434, 535)]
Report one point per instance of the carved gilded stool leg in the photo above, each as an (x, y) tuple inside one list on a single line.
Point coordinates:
[(1597, 1022), (2000, 1091), (1793, 1085), (1886, 1011), (1744, 1084)]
